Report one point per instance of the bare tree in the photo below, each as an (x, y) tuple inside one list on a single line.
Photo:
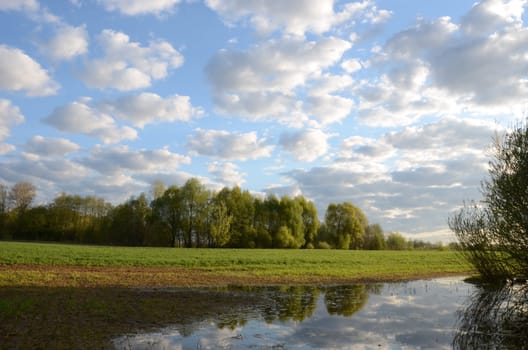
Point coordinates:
[(22, 195)]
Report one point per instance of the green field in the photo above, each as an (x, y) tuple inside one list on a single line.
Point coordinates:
[(232, 265), (76, 285)]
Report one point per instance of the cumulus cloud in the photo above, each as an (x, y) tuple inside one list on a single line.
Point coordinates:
[(329, 109), (120, 159), (19, 5), (67, 43), (19, 72), (9, 115), (147, 108), (351, 65), (79, 117), (251, 84), (50, 147), (329, 83), (31, 7), (226, 174), (127, 65), (305, 145), (403, 179), (296, 17), (229, 145), (488, 16), (140, 7), (442, 67), (359, 148)]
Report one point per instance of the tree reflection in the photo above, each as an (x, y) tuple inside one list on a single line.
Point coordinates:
[(346, 300), (297, 303), (496, 318), (294, 303)]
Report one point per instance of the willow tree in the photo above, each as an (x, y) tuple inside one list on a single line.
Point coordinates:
[(493, 233), (345, 224)]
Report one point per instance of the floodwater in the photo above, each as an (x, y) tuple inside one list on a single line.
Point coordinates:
[(421, 314)]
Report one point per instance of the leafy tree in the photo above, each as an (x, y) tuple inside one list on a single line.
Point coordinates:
[(346, 224), (374, 237), (310, 220), (395, 241), (3, 210), (220, 222), (263, 237), (493, 233), (168, 211), (195, 198), (290, 217), (130, 221), (241, 208)]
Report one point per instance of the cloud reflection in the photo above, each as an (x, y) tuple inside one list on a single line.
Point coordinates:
[(418, 314)]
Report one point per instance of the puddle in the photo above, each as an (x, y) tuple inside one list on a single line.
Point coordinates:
[(418, 314)]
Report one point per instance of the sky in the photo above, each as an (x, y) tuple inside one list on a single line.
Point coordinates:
[(389, 105)]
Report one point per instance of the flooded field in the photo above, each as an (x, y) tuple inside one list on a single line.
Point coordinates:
[(440, 313), (417, 314)]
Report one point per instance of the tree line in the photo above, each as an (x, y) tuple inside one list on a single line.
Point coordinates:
[(192, 216)]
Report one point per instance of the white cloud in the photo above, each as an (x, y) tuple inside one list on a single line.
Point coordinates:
[(147, 108), (404, 179), (140, 7), (45, 172), (120, 159), (79, 117), (329, 83), (226, 173), (31, 7), (19, 72), (9, 115), (358, 148), (260, 83), (50, 147), (351, 65), (229, 145), (295, 17), (127, 65), (487, 71), (294, 62), (19, 5), (67, 43), (488, 16), (328, 109), (305, 145), (442, 68)]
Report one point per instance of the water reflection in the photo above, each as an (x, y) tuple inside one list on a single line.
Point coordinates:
[(418, 314), (497, 317)]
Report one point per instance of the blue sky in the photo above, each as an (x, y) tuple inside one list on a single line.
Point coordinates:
[(391, 105)]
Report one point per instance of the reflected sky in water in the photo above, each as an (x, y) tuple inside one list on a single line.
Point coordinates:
[(413, 315)]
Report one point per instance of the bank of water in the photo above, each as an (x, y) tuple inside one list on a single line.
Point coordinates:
[(416, 314)]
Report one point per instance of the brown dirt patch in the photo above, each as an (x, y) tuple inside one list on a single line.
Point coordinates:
[(138, 276)]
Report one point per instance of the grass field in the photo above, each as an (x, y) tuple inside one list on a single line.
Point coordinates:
[(72, 296), (41, 264)]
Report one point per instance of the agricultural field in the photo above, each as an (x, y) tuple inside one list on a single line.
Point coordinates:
[(44, 264)]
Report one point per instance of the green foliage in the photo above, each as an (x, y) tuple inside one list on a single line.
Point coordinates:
[(345, 224), (395, 241), (493, 234), (374, 237), (220, 224), (183, 216)]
